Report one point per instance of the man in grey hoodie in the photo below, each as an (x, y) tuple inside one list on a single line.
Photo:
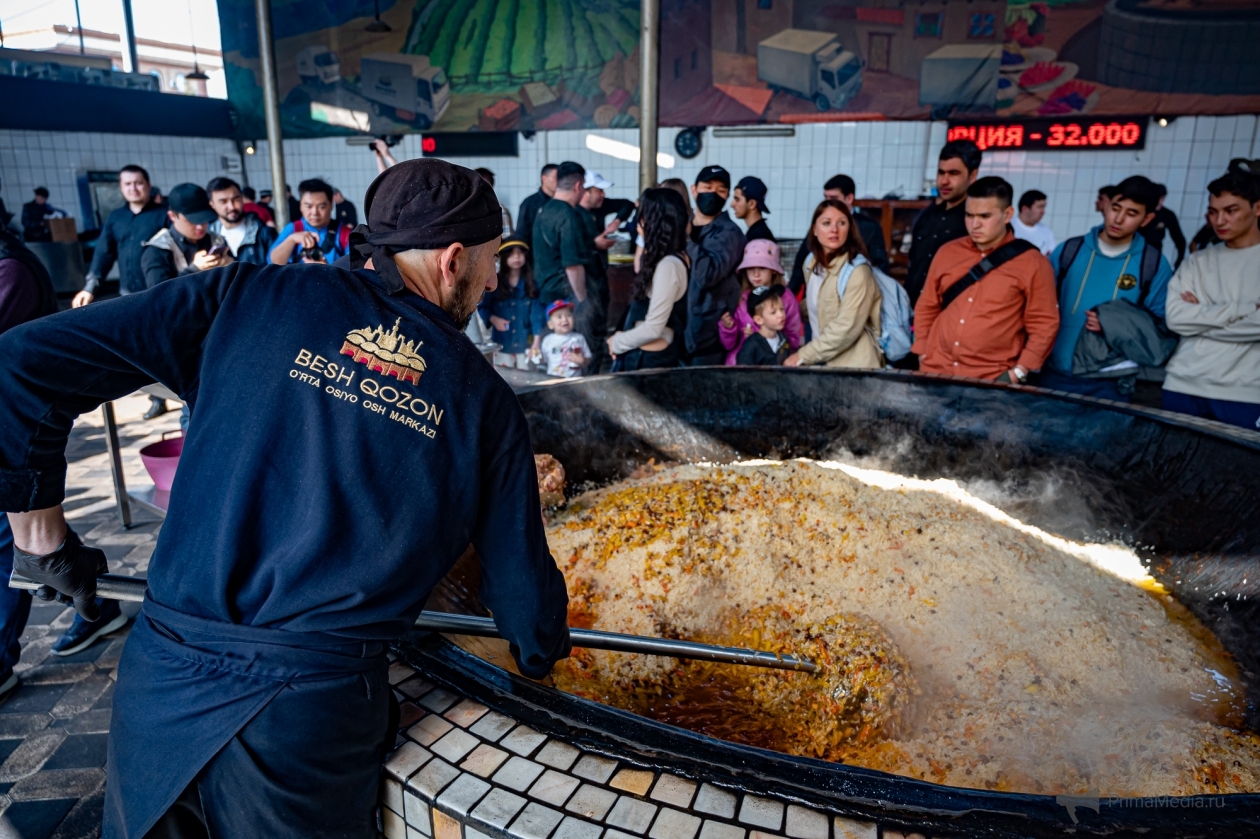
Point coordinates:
[(1214, 304)]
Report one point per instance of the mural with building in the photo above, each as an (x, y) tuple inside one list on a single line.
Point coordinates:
[(350, 66)]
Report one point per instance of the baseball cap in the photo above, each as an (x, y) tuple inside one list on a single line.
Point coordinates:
[(714, 173), (597, 181), (191, 202), (754, 189), (557, 306), (761, 294)]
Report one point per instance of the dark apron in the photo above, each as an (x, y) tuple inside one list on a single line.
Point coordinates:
[(191, 705), (643, 360)]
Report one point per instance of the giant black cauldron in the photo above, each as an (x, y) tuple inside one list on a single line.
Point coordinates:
[(1186, 491)]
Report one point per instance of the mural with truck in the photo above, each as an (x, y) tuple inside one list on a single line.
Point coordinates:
[(393, 66)]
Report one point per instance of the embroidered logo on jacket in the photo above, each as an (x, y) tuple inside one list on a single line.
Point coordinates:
[(386, 352)]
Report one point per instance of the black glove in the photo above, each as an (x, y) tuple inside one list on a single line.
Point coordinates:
[(68, 574)]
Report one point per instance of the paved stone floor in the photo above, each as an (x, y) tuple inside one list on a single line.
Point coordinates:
[(53, 728)]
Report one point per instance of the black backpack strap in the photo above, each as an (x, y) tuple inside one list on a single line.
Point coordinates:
[(986, 264), (1146, 274), (1067, 256)]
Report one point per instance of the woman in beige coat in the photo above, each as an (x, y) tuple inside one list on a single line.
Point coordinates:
[(846, 328)]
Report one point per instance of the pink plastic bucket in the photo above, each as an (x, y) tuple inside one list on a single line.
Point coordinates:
[(161, 460)]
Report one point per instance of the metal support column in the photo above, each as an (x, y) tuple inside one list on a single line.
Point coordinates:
[(115, 463), (131, 63), (271, 108), (649, 82)]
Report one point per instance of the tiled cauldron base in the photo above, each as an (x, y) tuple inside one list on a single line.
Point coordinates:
[(462, 771)]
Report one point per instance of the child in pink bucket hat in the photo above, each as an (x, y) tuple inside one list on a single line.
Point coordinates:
[(761, 267)]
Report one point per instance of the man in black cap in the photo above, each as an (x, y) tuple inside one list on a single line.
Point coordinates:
[(716, 248), (187, 245), (750, 207), (349, 444)]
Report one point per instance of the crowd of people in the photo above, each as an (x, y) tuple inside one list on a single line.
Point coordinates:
[(988, 291)]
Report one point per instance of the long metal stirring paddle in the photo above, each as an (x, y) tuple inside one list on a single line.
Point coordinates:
[(118, 587)]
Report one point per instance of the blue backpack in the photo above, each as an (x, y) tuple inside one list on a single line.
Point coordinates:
[(895, 311)]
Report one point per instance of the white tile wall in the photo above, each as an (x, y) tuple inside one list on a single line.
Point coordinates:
[(882, 157)]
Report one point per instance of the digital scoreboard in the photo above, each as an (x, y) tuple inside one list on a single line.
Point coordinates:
[(1054, 134), (469, 144)]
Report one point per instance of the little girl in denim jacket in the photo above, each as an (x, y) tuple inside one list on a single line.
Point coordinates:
[(513, 310)]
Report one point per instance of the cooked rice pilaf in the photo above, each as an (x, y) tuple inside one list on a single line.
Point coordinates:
[(957, 648)]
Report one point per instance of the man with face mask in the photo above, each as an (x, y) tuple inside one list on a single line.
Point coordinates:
[(348, 444), (715, 250)]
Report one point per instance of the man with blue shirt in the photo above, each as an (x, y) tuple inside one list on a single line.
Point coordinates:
[(1111, 262), (314, 237), (349, 445)]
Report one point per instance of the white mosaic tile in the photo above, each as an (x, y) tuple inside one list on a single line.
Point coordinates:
[(466, 713), (674, 790), (572, 828), (412, 833), (493, 726), (720, 830), (414, 688), (554, 787), (470, 833), (518, 773), (715, 802), (617, 834), (433, 778), (557, 755), (499, 808), (392, 795), (595, 768), (484, 760), (592, 802), (455, 745), (428, 730), (416, 811), (464, 792), (631, 814), (405, 760), (399, 672), (523, 740), (393, 825), (535, 822), (850, 829), (805, 824), (674, 824), (761, 834), (761, 812), (439, 700)]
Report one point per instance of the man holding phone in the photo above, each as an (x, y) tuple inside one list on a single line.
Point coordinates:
[(187, 246)]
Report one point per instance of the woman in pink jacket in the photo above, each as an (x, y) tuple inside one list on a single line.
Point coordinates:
[(761, 267)]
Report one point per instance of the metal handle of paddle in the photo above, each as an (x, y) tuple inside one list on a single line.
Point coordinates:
[(109, 586), (593, 639), (117, 587)]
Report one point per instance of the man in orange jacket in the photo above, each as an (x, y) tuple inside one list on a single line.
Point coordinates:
[(998, 322)]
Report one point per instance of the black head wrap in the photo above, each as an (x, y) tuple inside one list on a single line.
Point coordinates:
[(427, 204)]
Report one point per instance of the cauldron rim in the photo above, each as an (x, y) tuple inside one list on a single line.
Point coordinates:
[(845, 790)]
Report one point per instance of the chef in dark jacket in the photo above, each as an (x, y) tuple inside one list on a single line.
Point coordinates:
[(348, 444)]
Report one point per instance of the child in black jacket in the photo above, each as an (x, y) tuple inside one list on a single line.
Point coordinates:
[(767, 347)]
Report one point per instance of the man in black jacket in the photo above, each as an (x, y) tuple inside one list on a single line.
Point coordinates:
[(1165, 221), (34, 217), (248, 239), (534, 203), (123, 236), (945, 220), (187, 246), (716, 248)]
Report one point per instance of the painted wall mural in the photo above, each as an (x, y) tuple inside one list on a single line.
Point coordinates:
[(392, 66)]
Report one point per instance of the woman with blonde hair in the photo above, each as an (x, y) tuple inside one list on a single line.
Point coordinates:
[(841, 295)]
